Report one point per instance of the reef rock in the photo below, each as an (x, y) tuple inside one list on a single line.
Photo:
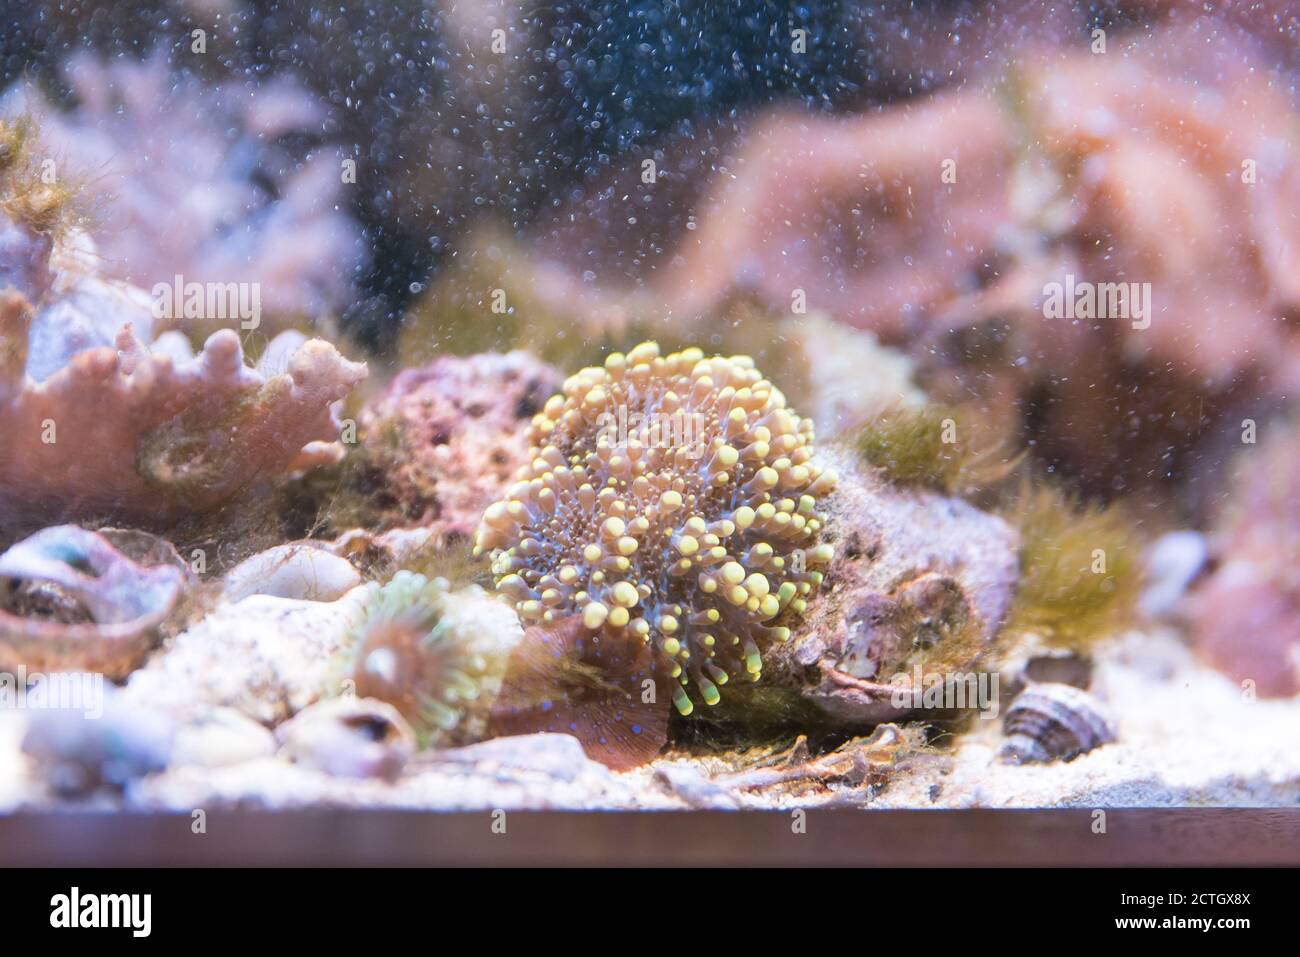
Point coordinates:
[(266, 657), (109, 414), (444, 439), (920, 581)]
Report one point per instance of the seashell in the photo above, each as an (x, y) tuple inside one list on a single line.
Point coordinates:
[(70, 601), (221, 737), (298, 571), (349, 737), (1033, 662), (1053, 722), (146, 548), (76, 752)]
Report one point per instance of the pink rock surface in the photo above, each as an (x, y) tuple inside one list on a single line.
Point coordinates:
[(447, 437), (1246, 615), (104, 420)]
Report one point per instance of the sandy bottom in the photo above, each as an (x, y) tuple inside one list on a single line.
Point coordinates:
[(1187, 736)]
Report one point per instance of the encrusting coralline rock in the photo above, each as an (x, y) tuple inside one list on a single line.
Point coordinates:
[(444, 439), (108, 414), (919, 580)]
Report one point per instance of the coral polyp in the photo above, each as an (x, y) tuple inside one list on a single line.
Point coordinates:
[(671, 500), (435, 655)]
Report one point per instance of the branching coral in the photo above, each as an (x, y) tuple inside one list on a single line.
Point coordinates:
[(671, 500)]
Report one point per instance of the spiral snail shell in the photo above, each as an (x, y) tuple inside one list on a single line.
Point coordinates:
[(1053, 722)]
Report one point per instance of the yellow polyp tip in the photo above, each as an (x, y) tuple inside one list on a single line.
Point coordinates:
[(733, 573), (671, 647), (618, 617), (594, 615), (711, 696), (627, 545), (624, 593), (688, 545), (667, 624), (593, 553), (753, 664)]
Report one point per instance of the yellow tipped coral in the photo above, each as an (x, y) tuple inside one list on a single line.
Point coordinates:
[(670, 500)]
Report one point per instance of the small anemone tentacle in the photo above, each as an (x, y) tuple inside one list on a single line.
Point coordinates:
[(671, 500)]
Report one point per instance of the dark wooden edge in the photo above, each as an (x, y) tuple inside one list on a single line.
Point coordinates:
[(336, 837)]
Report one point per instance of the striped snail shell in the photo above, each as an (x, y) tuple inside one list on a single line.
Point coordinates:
[(1053, 722)]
